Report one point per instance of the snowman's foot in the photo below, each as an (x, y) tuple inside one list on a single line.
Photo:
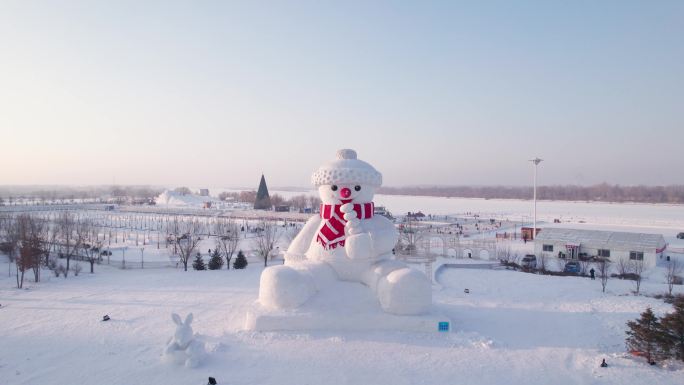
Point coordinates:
[(282, 287), (405, 292)]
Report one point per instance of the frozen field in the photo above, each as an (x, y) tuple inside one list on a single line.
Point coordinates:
[(627, 216), (664, 219), (513, 328)]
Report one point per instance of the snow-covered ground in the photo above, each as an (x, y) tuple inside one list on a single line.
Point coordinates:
[(513, 328)]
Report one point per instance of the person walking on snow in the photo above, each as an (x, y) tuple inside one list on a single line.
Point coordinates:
[(592, 273)]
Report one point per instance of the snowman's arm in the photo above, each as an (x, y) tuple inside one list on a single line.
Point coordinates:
[(384, 235), (301, 243)]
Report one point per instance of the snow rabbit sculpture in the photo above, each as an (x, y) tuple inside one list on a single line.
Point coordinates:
[(346, 241), (183, 348)]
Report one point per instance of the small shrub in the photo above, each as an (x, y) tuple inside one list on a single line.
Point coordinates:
[(628, 276), (671, 299), (76, 268), (510, 265), (62, 270), (216, 261), (240, 261), (198, 263), (52, 264)]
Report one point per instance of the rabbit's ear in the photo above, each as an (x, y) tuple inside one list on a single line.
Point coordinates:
[(176, 319), (188, 319)]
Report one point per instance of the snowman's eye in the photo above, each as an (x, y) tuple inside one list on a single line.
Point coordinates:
[(333, 187), (357, 188)]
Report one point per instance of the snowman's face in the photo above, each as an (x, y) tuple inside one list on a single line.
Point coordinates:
[(345, 193)]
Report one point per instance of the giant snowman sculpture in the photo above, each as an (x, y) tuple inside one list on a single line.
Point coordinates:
[(346, 242)]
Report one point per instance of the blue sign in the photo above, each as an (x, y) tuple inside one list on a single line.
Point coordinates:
[(443, 327)]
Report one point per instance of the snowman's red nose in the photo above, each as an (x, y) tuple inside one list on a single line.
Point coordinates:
[(345, 193)]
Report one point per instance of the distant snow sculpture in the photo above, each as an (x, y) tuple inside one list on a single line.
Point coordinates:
[(183, 348), (346, 242)]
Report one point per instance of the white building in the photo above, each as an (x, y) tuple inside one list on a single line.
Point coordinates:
[(574, 244)]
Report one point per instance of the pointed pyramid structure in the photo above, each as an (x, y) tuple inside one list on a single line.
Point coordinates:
[(263, 200)]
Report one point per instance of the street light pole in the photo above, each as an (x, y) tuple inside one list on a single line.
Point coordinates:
[(536, 162)]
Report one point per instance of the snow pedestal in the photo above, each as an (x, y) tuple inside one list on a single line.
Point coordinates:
[(343, 306)]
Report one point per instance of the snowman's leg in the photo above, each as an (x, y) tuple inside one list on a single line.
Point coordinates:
[(290, 286), (400, 289)]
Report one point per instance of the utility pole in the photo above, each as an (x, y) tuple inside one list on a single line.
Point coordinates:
[(536, 162)]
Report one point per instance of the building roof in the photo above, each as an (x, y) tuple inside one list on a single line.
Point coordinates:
[(608, 239)]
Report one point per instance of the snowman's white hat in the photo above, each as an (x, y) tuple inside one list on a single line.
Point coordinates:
[(346, 169)]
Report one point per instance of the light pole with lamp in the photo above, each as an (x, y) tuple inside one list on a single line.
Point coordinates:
[(536, 162)]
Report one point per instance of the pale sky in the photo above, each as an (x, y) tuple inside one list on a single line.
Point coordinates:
[(208, 93)]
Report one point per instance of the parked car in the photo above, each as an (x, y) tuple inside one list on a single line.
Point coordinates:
[(529, 261), (680, 236), (572, 267)]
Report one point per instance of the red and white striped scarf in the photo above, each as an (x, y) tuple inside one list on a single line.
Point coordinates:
[(331, 232)]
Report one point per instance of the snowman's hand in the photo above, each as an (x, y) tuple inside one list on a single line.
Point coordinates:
[(347, 208), (353, 225)]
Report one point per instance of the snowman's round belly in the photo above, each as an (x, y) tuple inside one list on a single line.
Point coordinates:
[(347, 269)]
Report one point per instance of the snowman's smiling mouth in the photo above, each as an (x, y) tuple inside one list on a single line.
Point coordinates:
[(345, 201)]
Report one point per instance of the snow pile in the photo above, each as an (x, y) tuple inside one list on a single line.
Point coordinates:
[(172, 198), (512, 328)]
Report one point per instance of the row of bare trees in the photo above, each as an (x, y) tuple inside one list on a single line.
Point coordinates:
[(600, 192), (29, 241), (298, 202), (11, 195), (185, 237)]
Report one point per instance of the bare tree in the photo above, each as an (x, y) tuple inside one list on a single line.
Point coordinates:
[(505, 255), (265, 240), (23, 261), (182, 190), (298, 202), (543, 262), (30, 232), (603, 267), (10, 240), (92, 245), (247, 196), (623, 267), (52, 240), (277, 200), (41, 231), (314, 202), (291, 233), (409, 238), (674, 268), (637, 267), (561, 263), (71, 236), (584, 266), (228, 237), (186, 238)]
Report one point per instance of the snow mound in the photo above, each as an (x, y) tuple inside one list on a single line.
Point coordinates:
[(172, 198)]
